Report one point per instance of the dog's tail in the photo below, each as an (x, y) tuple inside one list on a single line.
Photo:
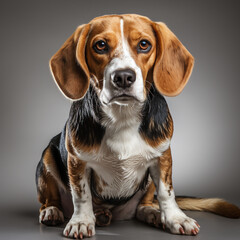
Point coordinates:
[(214, 205)]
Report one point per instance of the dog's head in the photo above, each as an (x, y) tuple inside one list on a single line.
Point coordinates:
[(121, 55)]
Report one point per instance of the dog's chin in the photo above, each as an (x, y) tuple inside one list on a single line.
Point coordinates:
[(124, 100)]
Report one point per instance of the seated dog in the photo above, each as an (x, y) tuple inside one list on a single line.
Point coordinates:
[(114, 151)]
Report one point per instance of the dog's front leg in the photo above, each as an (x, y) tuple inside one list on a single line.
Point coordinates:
[(171, 215), (82, 223)]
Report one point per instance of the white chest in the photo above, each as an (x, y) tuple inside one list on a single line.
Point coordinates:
[(122, 161)]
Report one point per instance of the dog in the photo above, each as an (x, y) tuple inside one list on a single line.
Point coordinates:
[(114, 151)]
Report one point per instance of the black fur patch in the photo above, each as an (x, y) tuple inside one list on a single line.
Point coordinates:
[(62, 147), (84, 119), (156, 118), (58, 152)]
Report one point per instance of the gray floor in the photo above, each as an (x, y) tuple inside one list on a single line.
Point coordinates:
[(22, 223)]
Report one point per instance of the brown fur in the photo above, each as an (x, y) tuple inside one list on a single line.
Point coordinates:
[(97, 201), (73, 144), (165, 165), (165, 168), (214, 205), (166, 132), (76, 60), (76, 167), (72, 79), (76, 170), (148, 198), (174, 63), (76, 144), (48, 193), (109, 29)]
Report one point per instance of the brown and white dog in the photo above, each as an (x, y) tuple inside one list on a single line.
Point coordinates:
[(114, 151)]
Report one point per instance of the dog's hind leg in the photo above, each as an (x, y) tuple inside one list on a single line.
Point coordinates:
[(48, 182), (103, 217), (148, 209)]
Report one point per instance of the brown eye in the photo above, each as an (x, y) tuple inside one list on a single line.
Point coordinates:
[(100, 47), (144, 46)]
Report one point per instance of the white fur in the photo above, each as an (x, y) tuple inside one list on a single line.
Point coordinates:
[(124, 156), (171, 215), (83, 218), (52, 213), (123, 60)]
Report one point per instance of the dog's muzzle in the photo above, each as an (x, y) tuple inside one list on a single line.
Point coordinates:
[(124, 78)]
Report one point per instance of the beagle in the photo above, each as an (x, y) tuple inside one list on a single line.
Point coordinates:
[(114, 151)]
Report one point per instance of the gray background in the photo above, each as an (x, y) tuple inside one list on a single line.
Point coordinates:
[(205, 144)]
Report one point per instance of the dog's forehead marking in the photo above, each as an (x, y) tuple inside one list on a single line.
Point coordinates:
[(124, 42), (123, 47)]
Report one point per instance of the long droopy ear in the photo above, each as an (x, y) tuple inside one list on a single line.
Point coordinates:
[(68, 65), (173, 64)]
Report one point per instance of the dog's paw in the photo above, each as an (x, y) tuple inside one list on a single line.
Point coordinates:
[(80, 227), (149, 215), (178, 223), (51, 216), (103, 217)]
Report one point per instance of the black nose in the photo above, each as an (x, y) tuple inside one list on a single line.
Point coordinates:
[(124, 78)]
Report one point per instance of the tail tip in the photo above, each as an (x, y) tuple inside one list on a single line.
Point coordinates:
[(227, 209)]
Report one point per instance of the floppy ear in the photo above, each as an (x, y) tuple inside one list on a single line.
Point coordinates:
[(173, 64), (68, 65)]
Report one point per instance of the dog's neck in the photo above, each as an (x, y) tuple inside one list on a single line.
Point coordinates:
[(116, 115), (90, 120), (119, 117)]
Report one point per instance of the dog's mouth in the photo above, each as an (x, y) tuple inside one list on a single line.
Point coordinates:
[(123, 98)]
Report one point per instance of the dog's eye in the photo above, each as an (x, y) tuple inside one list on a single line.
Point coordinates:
[(100, 47), (144, 46)]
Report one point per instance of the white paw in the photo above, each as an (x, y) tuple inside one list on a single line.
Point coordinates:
[(177, 222), (80, 226), (51, 216)]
